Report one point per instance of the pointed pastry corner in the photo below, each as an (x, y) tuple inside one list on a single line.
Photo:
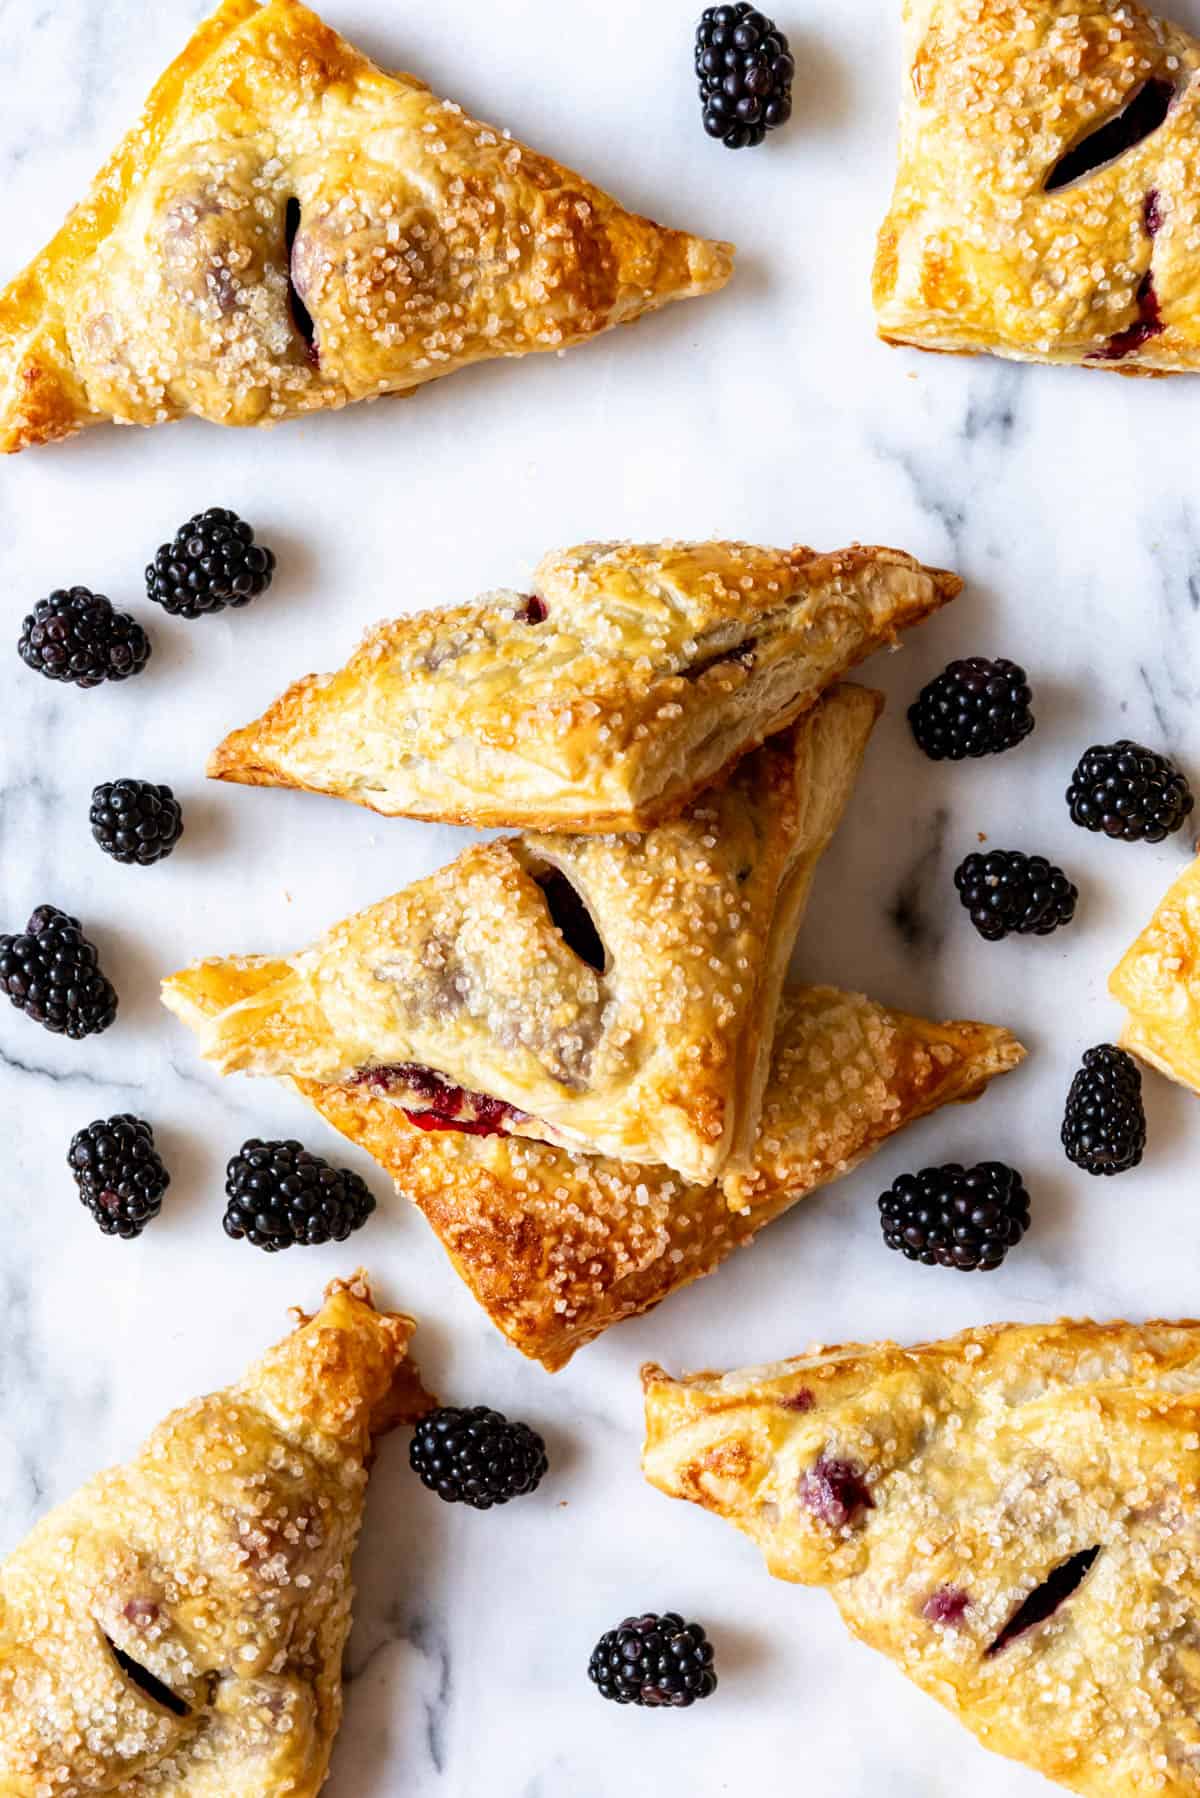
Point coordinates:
[(344, 1372)]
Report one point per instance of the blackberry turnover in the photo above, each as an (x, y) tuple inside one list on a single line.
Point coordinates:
[(76, 635), (119, 1173), (955, 1216), (51, 972), (280, 1195), (477, 1457), (1008, 892), (655, 1661), (973, 708), (1129, 792), (745, 71), (1104, 1127), (212, 562), (136, 821)]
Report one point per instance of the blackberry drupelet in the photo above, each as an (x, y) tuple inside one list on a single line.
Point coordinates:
[(280, 1195), (654, 1661), (1128, 792), (1006, 891), (477, 1457), (975, 707), (136, 821), (1104, 1128), (745, 71), (52, 973), (119, 1173), (953, 1216), (213, 562), (76, 635)]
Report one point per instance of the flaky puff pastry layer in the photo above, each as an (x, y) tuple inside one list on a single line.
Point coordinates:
[(631, 678), (288, 228), (1012, 1516), (176, 1628), (1002, 236), (655, 1049), (1158, 981), (557, 1247)]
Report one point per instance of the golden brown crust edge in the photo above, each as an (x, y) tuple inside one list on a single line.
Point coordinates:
[(973, 1473), (557, 1248)]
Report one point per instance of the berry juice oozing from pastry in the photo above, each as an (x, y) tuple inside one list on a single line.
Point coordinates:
[(1148, 324), (446, 1107)]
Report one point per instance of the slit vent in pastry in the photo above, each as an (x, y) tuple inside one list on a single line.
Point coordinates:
[(288, 229), (1045, 205), (636, 676), (464, 986), (1010, 1516), (559, 1247), (178, 1625)]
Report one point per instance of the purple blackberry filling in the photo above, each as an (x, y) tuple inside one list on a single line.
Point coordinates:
[(946, 1606), (836, 1492), (1147, 325), (302, 318), (447, 1103)]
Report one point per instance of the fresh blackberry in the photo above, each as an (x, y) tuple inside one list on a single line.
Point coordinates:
[(477, 1457), (212, 562), (1006, 891), (1128, 791), (956, 1217), (654, 1661), (973, 708), (119, 1173), (745, 71), (135, 821), (76, 635), (280, 1195), (51, 973), (1104, 1129)]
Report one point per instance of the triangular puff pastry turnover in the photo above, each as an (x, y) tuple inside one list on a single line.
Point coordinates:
[(1012, 1516), (1158, 980), (611, 993), (1048, 196), (624, 684), (288, 229), (558, 1247), (177, 1626)]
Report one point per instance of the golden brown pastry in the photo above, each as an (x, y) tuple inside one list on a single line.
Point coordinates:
[(1158, 980), (630, 678), (613, 993), (1048, 194), (176, 1628), (1011, 1516), (558, 1247), (288, 228)]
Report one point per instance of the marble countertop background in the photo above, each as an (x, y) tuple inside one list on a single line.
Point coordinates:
[(1067, 499)]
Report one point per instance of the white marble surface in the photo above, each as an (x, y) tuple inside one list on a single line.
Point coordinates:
[(1066, 498)]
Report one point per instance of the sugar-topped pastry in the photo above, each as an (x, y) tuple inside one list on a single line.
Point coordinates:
[(1010, 1516), (557, 1247), (628, 680), (1158, 981), (177, 1626), (1048, 189), (609, 993), (288, 228)]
